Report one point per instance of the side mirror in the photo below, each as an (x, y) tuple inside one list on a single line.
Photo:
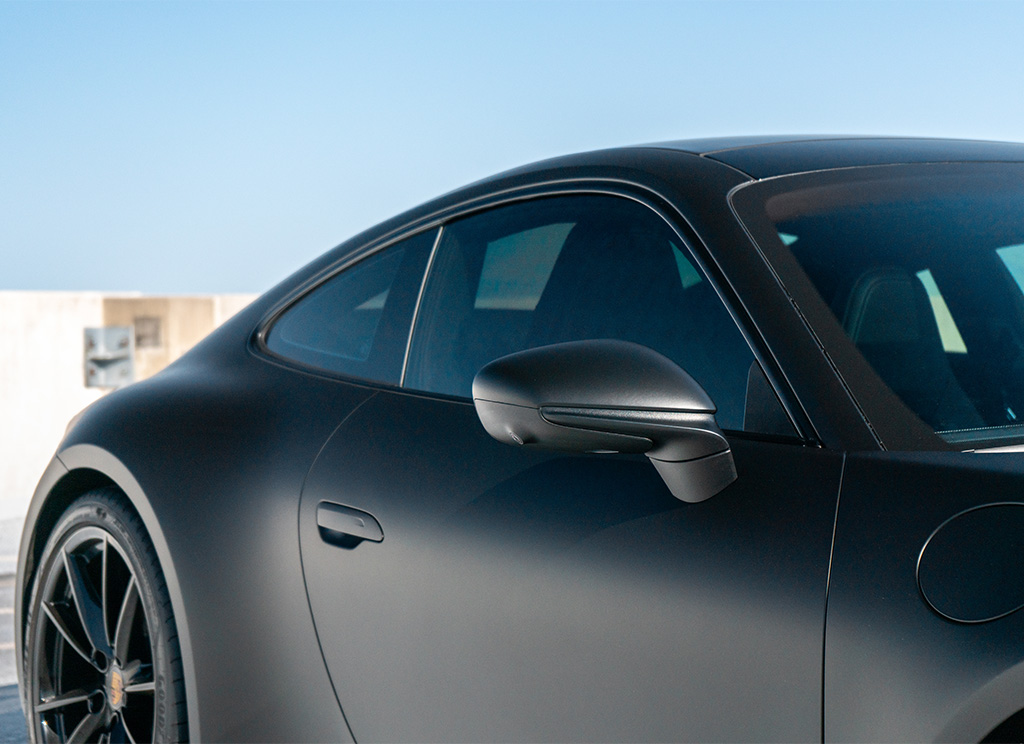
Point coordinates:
[(606, 396)]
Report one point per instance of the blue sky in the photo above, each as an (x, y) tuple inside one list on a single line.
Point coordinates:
[(179, 147)]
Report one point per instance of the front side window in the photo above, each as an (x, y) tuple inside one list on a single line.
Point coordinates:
[(923, 268), (357, 322), (566, 269)]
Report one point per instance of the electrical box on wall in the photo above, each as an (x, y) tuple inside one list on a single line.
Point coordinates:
[(109, 356)]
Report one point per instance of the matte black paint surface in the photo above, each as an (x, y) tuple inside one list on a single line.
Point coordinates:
[(504, 603), (895, 670), (765, 158), (529, 595), (214, 465), (971, 569)]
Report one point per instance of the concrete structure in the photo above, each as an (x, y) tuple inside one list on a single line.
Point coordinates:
[(42, 380)]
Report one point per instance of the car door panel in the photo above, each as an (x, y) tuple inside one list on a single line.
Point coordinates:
[(527, 595)]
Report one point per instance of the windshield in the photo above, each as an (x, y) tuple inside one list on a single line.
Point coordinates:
[(923, 268)]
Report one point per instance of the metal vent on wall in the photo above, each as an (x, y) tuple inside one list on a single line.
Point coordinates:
[(109, 356)]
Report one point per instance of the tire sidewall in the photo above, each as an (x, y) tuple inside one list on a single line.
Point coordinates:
[(103, 509)]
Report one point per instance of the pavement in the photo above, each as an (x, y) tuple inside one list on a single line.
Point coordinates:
[(12, 720)]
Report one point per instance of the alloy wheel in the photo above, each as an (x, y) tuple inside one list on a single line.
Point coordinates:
[(91, 657)]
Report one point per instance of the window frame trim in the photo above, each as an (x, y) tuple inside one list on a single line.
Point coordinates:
[(645, 195), (419, 301), (603, 187)]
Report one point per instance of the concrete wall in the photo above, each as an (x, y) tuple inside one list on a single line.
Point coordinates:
[(42, 368), (41, 383), (181, 322)]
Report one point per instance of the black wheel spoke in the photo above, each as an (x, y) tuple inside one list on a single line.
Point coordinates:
[(62, 700), (137, 675), (87, 603), (119, 733), (125, 620), (56, 613), (86, 728), (121, 727), (49, 735)]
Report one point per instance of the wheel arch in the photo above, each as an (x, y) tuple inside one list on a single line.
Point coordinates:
[(992, 713), (73, 472)]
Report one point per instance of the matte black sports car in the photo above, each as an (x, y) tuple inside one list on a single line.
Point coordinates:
[(715, 439)]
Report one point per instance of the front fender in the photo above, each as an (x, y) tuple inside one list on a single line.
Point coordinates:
[(82, 458), (252, 663)]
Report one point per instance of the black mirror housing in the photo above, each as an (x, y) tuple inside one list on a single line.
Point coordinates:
[(608, 396)]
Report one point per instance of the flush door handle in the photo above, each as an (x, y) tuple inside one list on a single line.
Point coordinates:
[(346, 521)]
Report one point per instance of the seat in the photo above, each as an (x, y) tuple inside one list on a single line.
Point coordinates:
[(612, 279), (617, 277), (888, 315)]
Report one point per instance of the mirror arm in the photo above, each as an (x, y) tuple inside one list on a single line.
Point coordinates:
[(694, 481), (688, 451)]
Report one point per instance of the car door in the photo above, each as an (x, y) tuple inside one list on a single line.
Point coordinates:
[(463, 589)]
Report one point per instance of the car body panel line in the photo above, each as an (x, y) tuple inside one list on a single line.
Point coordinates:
[(302, 566), (828, 580)]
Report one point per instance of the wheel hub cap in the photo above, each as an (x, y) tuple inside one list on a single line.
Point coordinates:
[(115, 688)]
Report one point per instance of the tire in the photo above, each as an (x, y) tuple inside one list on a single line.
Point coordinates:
[(102, 661)]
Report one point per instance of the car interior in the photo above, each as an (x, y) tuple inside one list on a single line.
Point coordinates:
[(614, 277), (936, 310)]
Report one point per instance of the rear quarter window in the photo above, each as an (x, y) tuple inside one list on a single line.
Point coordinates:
[(357, 322)]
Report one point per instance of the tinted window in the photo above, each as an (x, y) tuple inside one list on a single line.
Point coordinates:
[(571, 268), (923, 268), (357, 322)]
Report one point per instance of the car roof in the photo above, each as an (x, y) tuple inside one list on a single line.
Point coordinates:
[(768, 156)]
